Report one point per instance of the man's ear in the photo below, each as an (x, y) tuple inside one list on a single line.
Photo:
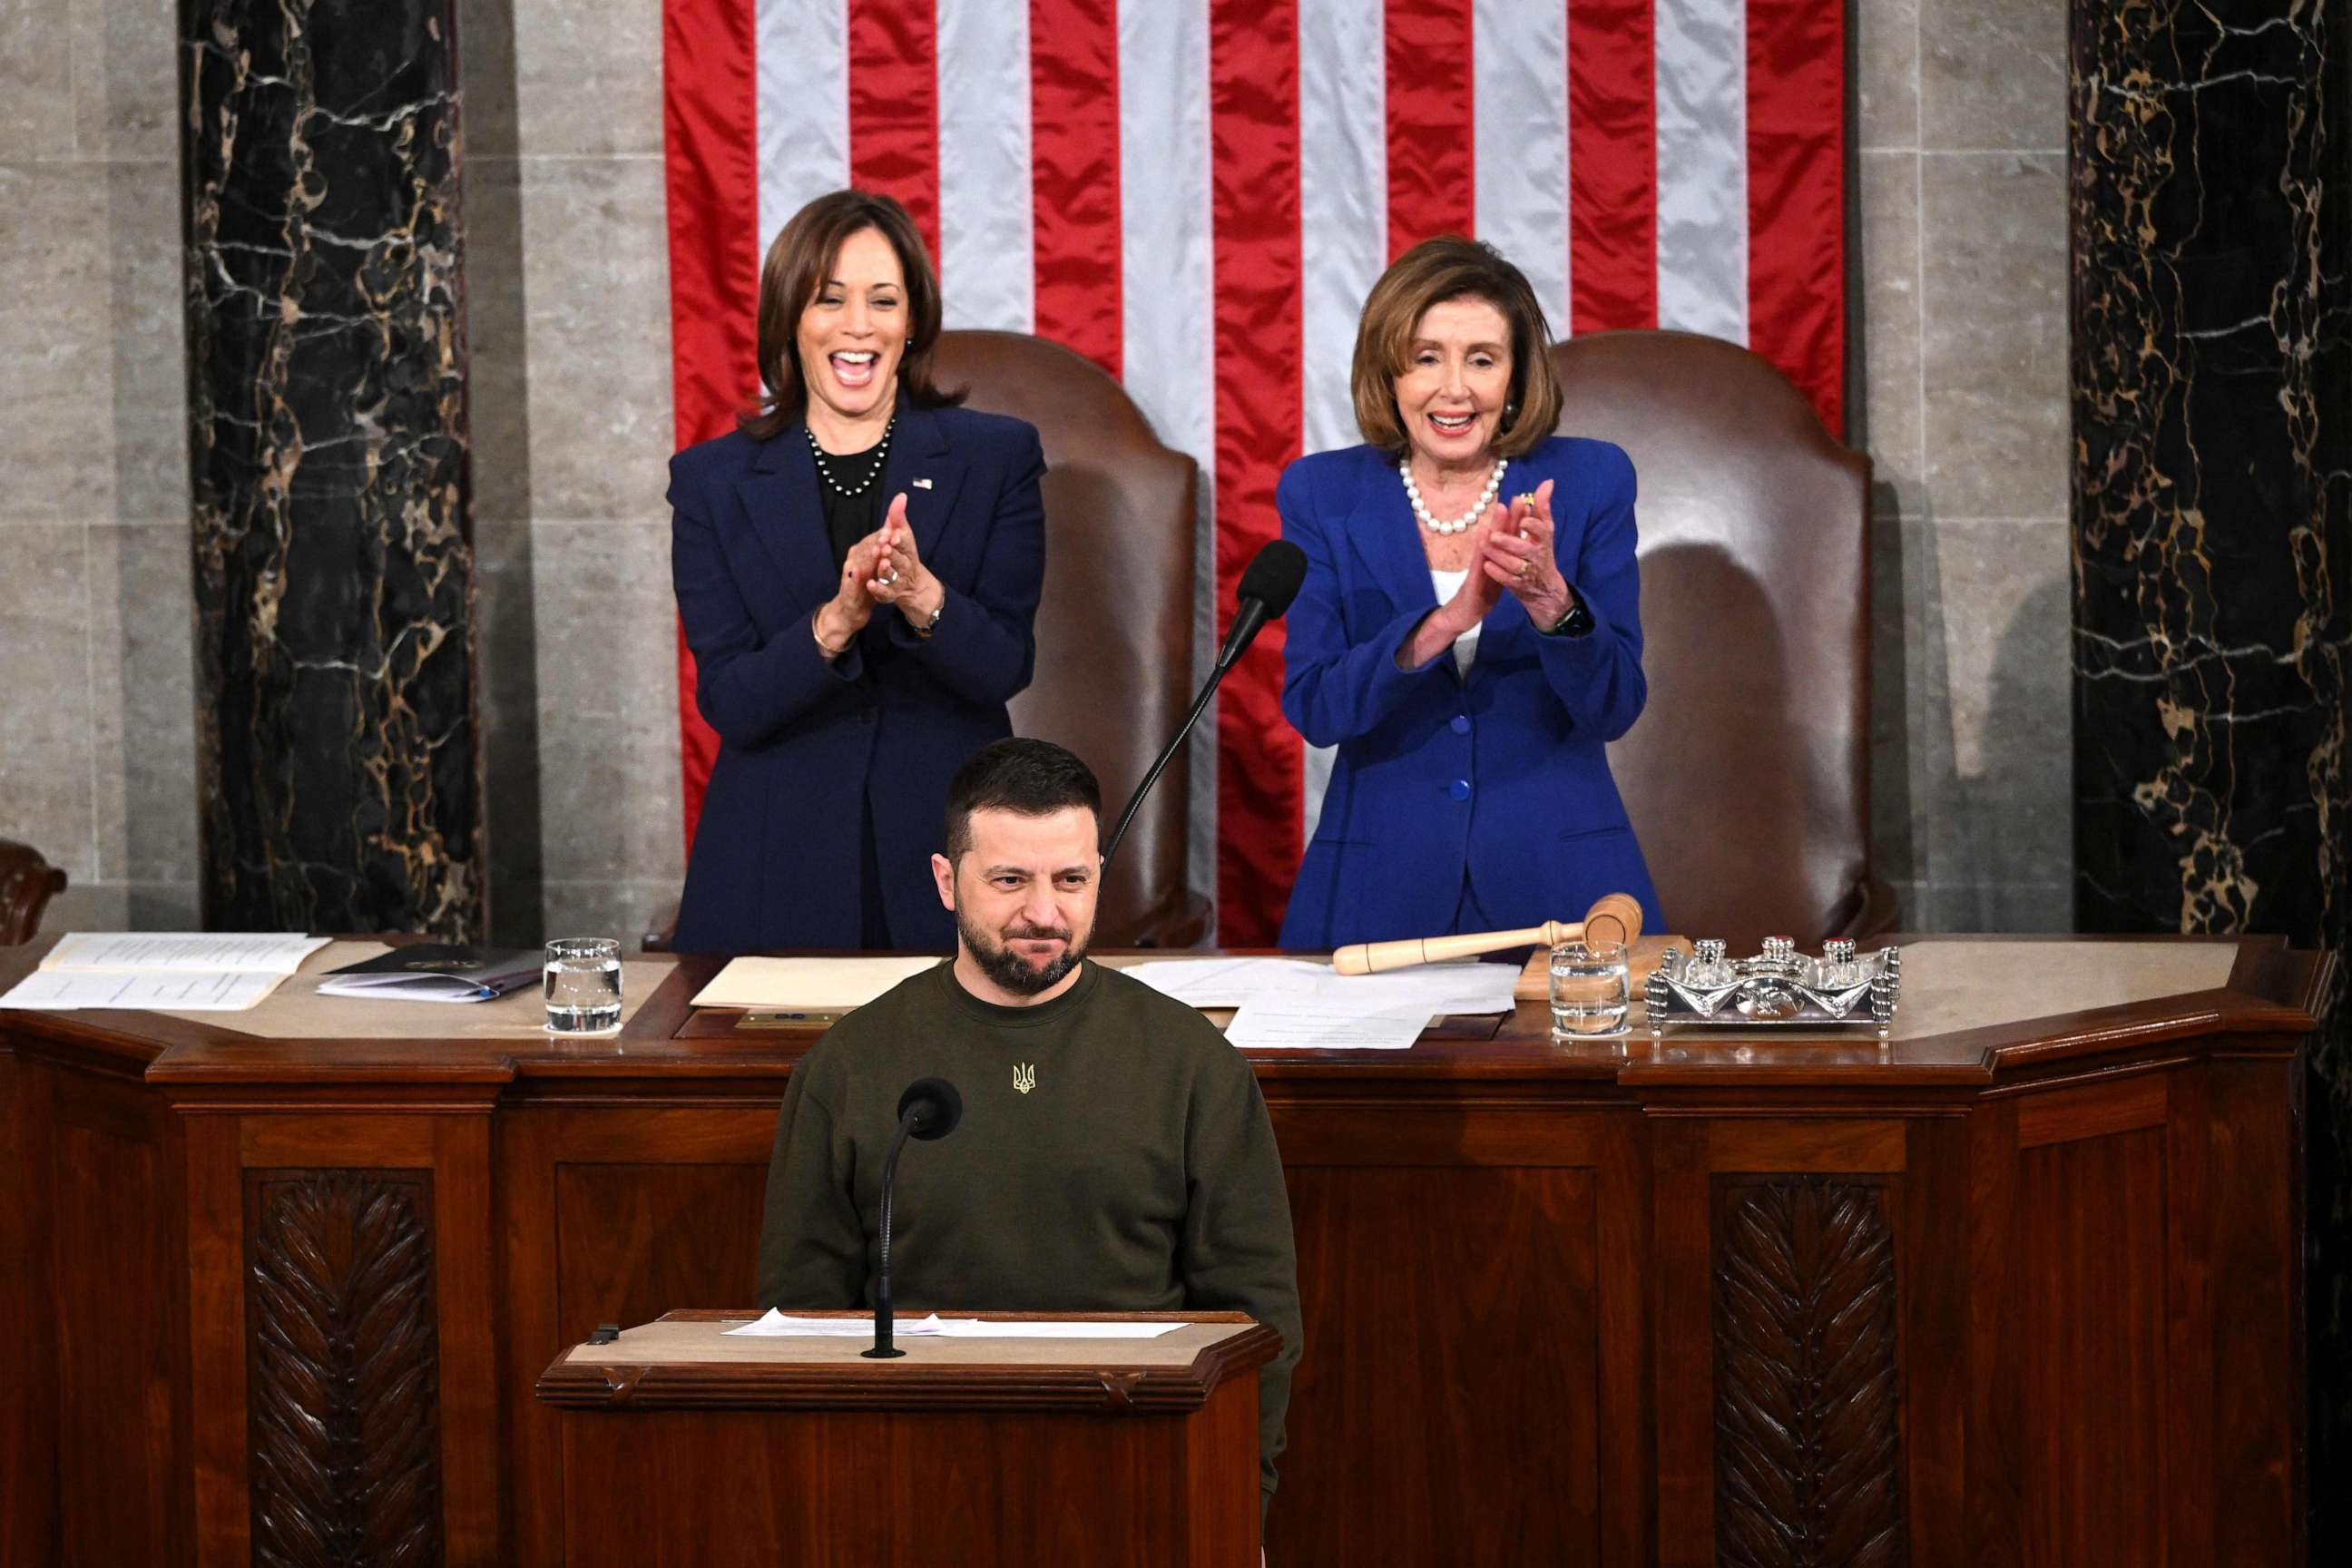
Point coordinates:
[(943, 873)]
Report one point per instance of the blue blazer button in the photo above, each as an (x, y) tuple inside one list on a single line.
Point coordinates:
[(1459, 789), (1462, 723)]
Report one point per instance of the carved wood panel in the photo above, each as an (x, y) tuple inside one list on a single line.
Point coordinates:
[(1808, 1444), (342, 1372)]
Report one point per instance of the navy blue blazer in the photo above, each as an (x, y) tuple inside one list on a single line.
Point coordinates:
[(1502, 777), (804, 745)]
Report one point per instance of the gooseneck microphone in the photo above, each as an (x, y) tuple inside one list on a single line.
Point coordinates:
[(930, 1108), (1264, 592)]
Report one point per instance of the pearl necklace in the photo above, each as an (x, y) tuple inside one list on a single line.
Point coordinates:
[(1453, 525), (881, 455)]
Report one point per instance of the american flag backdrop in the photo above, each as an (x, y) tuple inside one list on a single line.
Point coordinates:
[(1199, 193)]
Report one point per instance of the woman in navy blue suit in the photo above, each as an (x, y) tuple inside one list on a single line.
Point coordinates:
[(1470, 657), (849, 656)]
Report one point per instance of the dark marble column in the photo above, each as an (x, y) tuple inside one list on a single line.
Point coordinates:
[(2212, 409), (340, 772)]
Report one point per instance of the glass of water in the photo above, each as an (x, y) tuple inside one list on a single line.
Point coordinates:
[(1589, 989), (584, 986)]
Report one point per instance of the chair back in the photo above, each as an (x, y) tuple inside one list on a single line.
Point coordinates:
[(1115, 628), (1747, 776), (27, 882)]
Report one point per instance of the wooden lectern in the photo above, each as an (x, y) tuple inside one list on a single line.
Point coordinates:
[(681, 1444)]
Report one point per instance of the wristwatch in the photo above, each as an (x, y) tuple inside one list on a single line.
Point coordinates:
[(927, 627), (1577, 623)]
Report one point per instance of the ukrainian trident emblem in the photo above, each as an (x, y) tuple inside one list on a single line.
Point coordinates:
[(1025, 1076)]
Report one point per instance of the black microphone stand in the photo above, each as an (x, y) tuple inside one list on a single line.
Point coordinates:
[(1159, 766), (1266, 592), (884, 1323)]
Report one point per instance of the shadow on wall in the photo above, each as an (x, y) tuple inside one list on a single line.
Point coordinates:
[(1971, 798), (2014, 808), (506, 641)]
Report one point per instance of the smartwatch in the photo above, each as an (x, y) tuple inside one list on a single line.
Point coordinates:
[(1577, 623)]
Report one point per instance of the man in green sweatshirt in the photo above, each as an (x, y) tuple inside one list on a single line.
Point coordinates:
[(1114, 1154)]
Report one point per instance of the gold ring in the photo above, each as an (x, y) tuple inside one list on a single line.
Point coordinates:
[(1522, 571)]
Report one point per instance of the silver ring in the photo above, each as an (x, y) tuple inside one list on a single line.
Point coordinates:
[(889, 577)]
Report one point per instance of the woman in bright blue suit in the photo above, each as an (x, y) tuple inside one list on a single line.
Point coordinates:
[(1470, 659), (849, 657)]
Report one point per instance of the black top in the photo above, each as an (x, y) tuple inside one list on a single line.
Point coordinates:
[(850, 518)]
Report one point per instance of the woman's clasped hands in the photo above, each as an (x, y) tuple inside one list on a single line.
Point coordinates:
[(1511, 554), (883, 568), (1515, 556)]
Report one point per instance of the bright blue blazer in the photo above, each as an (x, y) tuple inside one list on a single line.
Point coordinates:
[(806, 746), (1502, 777)]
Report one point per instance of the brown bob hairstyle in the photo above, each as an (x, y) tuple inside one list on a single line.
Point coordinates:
[(797, 266), (1436, 270)]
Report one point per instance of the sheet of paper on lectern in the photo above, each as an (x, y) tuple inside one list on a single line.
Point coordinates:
[(1050, 1329), (1277, 1025), (807, 984), (210, 952), (781, 1325), (785, 1326), (164, 991), (1290, 983)]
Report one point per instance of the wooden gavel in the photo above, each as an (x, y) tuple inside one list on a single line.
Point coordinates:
[(1616, 917)]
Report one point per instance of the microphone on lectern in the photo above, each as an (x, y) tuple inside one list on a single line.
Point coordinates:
[(929, 1110), (1265, 589)]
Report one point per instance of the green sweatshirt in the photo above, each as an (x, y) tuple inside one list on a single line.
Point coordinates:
[(1135, 1172)]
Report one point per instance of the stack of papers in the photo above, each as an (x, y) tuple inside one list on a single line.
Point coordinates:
[(162, 971), (1291, 1003), (778, 1324), (807, 984)]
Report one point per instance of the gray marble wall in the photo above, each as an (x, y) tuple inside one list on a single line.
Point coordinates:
[(1961, 282), (567, 278), (1959, 278), (97, 710)]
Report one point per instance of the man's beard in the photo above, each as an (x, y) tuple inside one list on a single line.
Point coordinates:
[(1008, 968)]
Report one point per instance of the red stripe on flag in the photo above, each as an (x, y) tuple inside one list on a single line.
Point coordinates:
[(1796, 196), (1073, 169), (711, 162), (1430, 187), (1613, 165), (894, 121), (1254, 164)]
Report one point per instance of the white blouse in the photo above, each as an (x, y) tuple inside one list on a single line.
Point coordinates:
[(1465, 646)]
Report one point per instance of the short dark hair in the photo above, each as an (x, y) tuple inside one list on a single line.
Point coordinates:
[(1436, 270), (799, 260), (1028, 778)]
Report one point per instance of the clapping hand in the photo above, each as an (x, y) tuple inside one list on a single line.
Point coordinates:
[(1480, 592), (840, 619), (900, 577), (1515, 556)]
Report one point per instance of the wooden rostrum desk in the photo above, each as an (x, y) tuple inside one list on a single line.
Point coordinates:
[(2022, 1286)]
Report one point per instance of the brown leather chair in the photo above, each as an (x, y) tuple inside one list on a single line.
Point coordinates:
[(27, 882), (1115, 629), (1747, 776)]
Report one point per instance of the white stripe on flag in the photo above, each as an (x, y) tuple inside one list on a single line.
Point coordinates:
[(1519, 108), (1702, 88), (1167, 307), (1343, 214), (1343, 218), (801, 56), (986, 255)]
